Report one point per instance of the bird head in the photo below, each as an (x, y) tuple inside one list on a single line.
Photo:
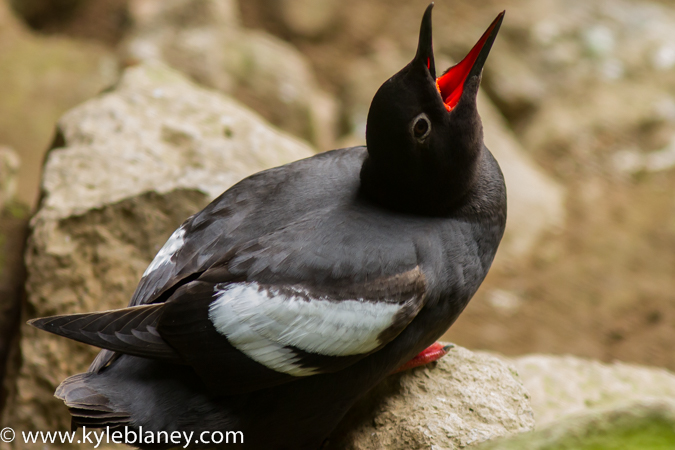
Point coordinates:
[(424, 134)]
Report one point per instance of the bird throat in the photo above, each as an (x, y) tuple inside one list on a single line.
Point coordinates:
[(416, 188)]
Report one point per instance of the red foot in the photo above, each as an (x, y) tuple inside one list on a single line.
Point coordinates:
[(432, 353)]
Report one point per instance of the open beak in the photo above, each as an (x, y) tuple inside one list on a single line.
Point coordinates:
[(451, 83)]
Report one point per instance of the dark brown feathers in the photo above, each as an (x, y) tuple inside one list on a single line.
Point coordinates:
[(130, 330), (87, 406)]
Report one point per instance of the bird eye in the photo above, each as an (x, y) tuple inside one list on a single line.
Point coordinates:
[(421, 126)]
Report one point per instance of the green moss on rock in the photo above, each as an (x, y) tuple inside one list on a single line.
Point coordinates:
[(637, 426)]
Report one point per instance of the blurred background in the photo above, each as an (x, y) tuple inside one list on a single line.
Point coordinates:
[(582, 92)]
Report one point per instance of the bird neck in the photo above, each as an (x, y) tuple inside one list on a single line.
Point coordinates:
[(426, 186)]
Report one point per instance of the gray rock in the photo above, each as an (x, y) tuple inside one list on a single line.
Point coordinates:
[(561, 386), (131, 166), (203, 38), (463, 399), (157, 132)]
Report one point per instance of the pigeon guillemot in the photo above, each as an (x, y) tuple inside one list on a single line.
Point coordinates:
[(280, 304)]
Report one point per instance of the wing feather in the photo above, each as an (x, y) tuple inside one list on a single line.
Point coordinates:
[(259, 335), (128, 330)]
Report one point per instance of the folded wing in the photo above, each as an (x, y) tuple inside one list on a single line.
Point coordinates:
[(246, 336)]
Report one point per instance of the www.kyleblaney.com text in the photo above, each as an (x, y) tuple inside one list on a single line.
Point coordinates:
[(134, 437)]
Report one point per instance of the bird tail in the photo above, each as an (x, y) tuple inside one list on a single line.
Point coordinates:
[(132, 331), (88, 407)]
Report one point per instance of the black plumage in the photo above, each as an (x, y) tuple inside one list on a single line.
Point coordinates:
[(292, 294)]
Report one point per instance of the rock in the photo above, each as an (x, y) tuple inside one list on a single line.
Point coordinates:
[(463, 399), (634, 161), (203, 38), (45, 76), (9, 168), (560, 386), (505, 302), (535, 200), (275, 79), (308, 18), (127, 168), (581, 82), (99, 20), (515, 86), (186, 13), (633, 426)]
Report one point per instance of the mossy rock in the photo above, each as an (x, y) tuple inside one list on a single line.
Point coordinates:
[(645, 425)]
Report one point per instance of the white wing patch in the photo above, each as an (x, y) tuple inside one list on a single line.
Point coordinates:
[(261, 322), (164, 255)]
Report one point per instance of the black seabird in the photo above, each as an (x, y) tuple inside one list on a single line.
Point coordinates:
[(292, 294)]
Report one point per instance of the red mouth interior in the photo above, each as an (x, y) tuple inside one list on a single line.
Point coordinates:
[(451, 83)]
